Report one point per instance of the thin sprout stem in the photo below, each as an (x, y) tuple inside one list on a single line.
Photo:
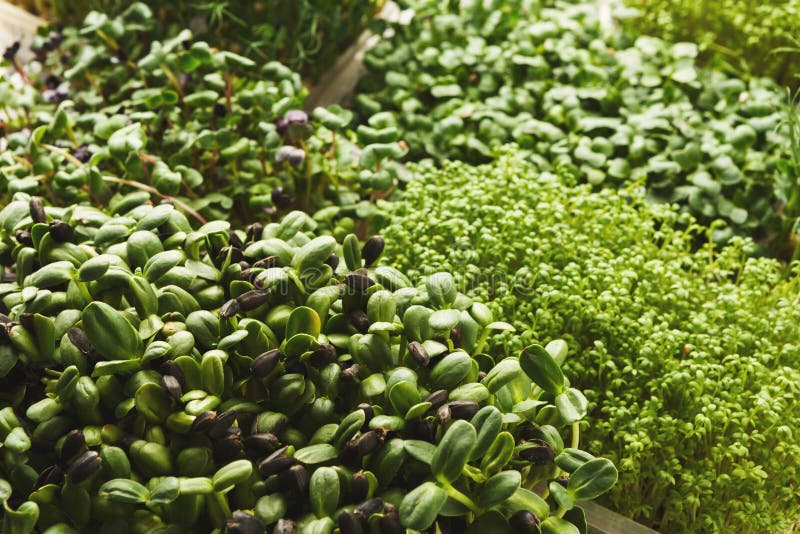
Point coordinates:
[(576, 435), (173, 79), (144, 187), (138, 185), (463, 499), (61, 152)]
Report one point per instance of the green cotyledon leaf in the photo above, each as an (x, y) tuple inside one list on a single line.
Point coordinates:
[(498, 488), (453, 451), (421, 506), (542, 368), (324, 489), (110, 332), (125, 491), (592, 479)]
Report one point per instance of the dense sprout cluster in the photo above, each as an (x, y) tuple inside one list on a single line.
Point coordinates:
[(688, 359), (107, 104), (307, 35), (747, 36), (197, 333), (606, 111), (160, 377)]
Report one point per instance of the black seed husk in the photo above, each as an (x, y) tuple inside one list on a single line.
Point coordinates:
[(369, 412), (298, 476), (228, 448), (372, 250), (540, 454), (275, 463), (265, 363), (169, 367), (437, 398), (351, 372), (266, 263), (261, 444), (73, 443), (425, 430), (390, 521), (26, 321), (368, 508), (443, 415), (418, 353), (204, 421), (221, 424), (456, 336), (368, 442), (323, 355), (229, 309), (254, 232), (252, 299), (233, 239), (85, 466), (348, 523), (172, 386), (36, 207), (50, 475), (24, 237), (358, 283), (61, 231), (333, 261), (359, 486), (244, 523), (360, 320), (281, 199), (463, 409), (78, 338), (524, 522)]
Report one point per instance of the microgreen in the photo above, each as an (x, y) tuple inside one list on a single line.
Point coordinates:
[(161, 376), (208, 130), (686, 359), (613, 111), (740, 35), (307, 35)]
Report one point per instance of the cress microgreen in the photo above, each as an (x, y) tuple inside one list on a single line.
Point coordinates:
[(686, 358)]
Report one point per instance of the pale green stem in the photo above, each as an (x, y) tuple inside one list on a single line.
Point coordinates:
[(138, 185), (463, 499), (219, 505), (83, 290), (482, 341)]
